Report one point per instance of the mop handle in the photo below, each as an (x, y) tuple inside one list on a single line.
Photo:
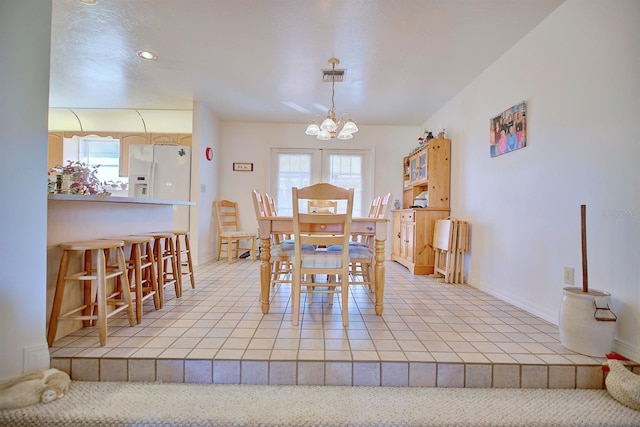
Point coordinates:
[(583, 222)]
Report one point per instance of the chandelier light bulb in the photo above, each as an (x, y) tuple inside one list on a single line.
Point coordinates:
[(312, 129)]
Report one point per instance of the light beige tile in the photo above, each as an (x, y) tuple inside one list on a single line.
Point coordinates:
[(236, 343), (562, 376), (450, 375), (198, 371), (174, 353), (142, 370), (473, 358), (113, 370), (394, 374), (422, 374), (478, 375), (365, 355), (94, 352), (366, 373), (339, 373), (335, 355), (311, 373), (145, 353), (534, 376), (62, 364), (528, 359), (261, 343), (590, 377), (254, 372), (284, 354), (446, 357), (85, 369), (283, 373), (170, 370), (226, 371), (506, 376)]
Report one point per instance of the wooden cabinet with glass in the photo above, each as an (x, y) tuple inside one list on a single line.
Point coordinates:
[(425, 170), (428, 169)]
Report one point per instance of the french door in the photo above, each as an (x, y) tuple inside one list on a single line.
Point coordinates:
[(303, 167)]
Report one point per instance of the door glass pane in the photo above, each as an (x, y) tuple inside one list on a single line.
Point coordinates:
[(345, 170), (294, 170)]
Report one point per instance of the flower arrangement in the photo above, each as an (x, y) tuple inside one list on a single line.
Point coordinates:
[(84, 179)]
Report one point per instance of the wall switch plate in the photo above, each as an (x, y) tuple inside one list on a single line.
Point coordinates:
[(568, 276)]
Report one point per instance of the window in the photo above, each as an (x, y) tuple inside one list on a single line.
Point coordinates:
[(95, 151), (300, 168)]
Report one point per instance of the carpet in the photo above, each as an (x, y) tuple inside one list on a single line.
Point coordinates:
[(168, 404)]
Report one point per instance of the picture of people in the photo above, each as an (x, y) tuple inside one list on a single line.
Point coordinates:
[(507, 131)]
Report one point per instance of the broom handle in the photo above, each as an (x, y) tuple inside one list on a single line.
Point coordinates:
[(583, 223)]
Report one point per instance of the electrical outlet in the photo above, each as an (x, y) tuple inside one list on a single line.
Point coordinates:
[(568, 276)]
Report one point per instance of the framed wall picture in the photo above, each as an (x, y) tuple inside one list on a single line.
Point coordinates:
[(243, 167), (507, 130)]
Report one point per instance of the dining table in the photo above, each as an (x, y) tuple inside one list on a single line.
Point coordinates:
[(360, 226)]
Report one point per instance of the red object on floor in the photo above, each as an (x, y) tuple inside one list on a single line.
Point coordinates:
[(616, 356)]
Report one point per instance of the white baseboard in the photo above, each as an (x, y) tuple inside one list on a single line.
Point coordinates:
[(36, 358)]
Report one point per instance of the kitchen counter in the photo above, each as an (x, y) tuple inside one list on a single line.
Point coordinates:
[(117, 199)]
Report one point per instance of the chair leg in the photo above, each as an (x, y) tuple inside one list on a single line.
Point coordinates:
[(219, 249), (253, 248), (57, 298), (230, 245), (345, 300), (137, 276), (102, 297), (125, 293), (295, 298)]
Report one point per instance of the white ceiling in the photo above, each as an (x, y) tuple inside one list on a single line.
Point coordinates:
[(252, 60)]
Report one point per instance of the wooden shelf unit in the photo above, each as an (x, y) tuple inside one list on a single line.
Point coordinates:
[(427, 169)]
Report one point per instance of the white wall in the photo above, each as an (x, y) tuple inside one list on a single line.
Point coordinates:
[(203, 229), (252, 142), (25, 29), (579, 72)]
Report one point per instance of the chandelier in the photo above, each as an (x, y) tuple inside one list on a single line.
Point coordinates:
[(343, 127)]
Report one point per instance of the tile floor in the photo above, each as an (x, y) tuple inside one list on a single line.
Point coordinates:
[(431, 334)]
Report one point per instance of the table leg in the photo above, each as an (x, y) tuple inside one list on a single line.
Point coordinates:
[(379, 276), (265, 274)]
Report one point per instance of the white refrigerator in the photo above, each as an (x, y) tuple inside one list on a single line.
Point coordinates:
[(162, 172)]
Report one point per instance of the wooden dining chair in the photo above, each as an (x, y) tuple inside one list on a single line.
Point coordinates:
[(384, 206), (321, 231), (322, 206), (281, 251), (361, 253), (229, 233)]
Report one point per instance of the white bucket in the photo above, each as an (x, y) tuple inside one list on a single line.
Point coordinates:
[(587, 324)]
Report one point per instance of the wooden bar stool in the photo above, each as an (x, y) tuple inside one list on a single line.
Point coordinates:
[(164, 251), (119, 299), (183, 250), (141, 271)]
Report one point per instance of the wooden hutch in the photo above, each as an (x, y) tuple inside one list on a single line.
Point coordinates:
[(426, 169)]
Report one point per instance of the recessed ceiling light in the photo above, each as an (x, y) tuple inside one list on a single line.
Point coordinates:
[(145, 54), (88, 1)]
